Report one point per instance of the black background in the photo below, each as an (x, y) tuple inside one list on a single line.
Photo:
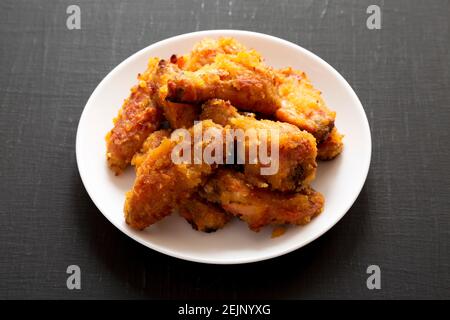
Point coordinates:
[(400, 221)]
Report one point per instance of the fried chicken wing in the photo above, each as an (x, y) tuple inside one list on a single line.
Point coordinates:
[(303, 104), (203, 215), (296, 155), (152, 142), (331, 147), (219, 83), (182, 115), (243, 79), (261, 207), (179, 115), (161, 183), (240, 78), (205, 51), (137, 118)]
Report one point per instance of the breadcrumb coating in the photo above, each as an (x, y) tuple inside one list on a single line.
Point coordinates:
[(226, 86), (161, 184), (303, 105), (203, 215), (138, 117), (331, 147), (297, 149), (261, 207), (240, 78)]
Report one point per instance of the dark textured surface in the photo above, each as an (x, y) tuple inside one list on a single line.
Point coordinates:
[(400, 222)]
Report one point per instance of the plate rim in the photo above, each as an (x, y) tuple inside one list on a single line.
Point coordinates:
[(216, 33)]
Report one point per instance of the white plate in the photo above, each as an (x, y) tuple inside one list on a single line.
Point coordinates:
[(340, 180)]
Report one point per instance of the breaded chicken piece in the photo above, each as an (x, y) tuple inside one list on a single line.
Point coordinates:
[(152, 142), (220, 112), (203, 215), (139, 115), (177, 114), (161, 184), (249, 84), (303, 105), (181, 115), (240, 78), (331, 147), (261, 207), (297, 149), (137, 118), (205, 195), (205, 51)]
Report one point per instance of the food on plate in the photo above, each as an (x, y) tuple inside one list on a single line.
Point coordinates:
[(138, 117), (203, 215), (240, 78), (303, 105), (261, 207), (161, 183), (331, 147), (216, 134), (205, 51), (152, 142), (296, 154), (180, 115)]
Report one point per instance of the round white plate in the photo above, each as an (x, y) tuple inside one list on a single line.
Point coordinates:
[(340, 180)]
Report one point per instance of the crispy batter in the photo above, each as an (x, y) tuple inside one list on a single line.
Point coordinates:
[(205, 51), (137, 118), (303, 105), (240, 78), (178, 115), (203, 215), (152, 142), (278, 231), (181, 115), (161, 184), (220, 68), (261, 207), (216, 82), (219, 111), (331, 147), (249, 84), (297, 149)]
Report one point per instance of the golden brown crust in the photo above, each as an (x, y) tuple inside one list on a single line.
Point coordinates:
[(203, 215), (183, 115), (207, 196), (219, 111), (331, 147), (138, 117), (152, 142), (180, 115), (297, 149), (161, 184), (261, 207), (241, 79), (303, 105), (205, 51)]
